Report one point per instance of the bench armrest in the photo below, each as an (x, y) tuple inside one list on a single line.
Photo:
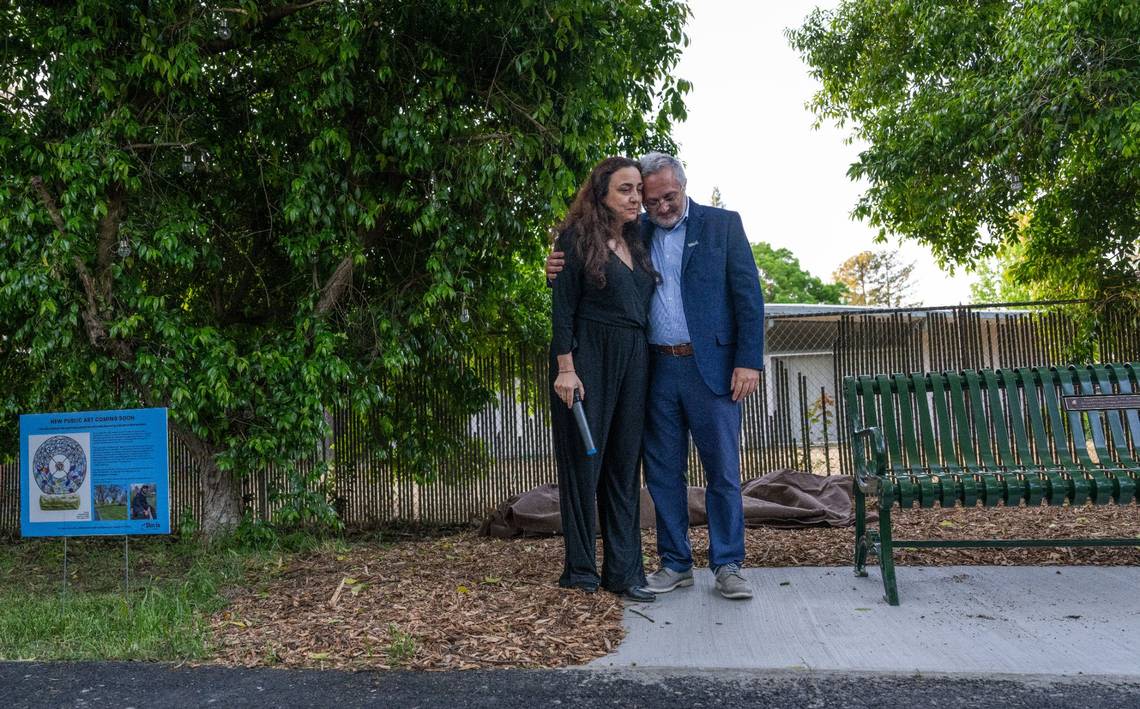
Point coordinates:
[(869, 472)]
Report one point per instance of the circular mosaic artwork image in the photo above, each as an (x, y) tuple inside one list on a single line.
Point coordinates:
[(59, 466)]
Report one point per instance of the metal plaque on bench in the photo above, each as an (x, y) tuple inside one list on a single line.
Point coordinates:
[(1100, 402)]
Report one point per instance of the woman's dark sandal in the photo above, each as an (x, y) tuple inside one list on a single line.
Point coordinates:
[(638, 594)]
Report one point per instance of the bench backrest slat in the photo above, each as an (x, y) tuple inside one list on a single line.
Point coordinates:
[(923, 400), (1113, 418), (962, 426), (1062, 441), (901, 389), (949, 452), (1018, 403), (1004, 419), (1125, 376), (981, 421), (1035, 391), (1095, 419), (1066, 378), (999, 419), (890, 423)]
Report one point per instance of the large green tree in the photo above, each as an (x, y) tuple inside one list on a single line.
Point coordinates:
[(251, 211), (990, 122), (785, 281)]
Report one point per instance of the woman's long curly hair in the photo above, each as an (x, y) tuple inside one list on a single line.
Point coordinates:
[(592, 223)]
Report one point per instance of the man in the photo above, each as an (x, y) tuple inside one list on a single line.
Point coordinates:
[(706, 335), (140, 505)]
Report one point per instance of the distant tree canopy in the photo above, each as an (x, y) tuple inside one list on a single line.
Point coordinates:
[(876, 278), (251, 211), (715, 200), (993, 122), (994, 282), (785, 281)]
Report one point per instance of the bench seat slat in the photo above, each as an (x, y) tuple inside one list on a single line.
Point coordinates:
[(948, 485)]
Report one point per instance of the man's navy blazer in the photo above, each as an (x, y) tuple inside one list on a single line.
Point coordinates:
[(720, 288)]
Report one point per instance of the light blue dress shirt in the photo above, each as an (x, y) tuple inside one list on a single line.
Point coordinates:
[(667, 325)]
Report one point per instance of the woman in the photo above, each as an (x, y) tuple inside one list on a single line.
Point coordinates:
[(598, 348)]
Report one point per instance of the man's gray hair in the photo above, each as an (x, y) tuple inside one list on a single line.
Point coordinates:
[(653, 163)]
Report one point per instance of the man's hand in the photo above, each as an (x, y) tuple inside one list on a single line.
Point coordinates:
[(554, 263), (744, 382)]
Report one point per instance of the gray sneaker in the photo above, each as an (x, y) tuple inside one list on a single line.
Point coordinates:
[(730, 582), (665, 579)]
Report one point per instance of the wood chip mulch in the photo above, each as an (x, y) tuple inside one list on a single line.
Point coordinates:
[(460, 602), (466, 602)]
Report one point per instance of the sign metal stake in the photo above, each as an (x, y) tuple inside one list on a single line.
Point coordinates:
[(127, 570)]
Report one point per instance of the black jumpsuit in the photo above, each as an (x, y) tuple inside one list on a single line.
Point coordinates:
[(605, 329)]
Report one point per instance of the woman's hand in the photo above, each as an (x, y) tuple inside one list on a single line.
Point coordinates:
[(565, 385)]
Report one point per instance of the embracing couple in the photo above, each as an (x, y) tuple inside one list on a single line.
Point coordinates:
[(658, 324)]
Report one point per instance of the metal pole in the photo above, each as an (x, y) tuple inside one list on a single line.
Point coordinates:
[(127, 570), (65, 566), (823, 414)]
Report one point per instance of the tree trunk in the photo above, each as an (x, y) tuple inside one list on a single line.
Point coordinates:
[(221, 501), (221, 494)]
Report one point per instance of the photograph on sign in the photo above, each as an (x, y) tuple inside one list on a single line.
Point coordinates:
[(143, 501), (110, 502)]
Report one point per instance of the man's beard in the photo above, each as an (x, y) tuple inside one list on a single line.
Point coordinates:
[(672, 222)]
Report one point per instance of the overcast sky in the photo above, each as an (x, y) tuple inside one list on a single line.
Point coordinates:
[(749, 134)]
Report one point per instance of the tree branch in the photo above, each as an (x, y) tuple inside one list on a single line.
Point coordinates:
[(49, 203), (338, 282), (335, 286), (96, 330), (104, 248), (522, 111), (156, 146)]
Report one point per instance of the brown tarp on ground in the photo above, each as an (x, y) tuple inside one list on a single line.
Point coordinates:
[(786, 499)]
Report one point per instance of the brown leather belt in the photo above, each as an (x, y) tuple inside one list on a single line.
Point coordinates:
[(683, 350)]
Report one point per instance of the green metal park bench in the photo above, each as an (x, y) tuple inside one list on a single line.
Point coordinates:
[(992, 436)]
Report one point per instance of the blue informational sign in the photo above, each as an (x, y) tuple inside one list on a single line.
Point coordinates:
[(94, 472)]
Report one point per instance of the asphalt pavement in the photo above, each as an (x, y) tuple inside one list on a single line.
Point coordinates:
[(152, 686)]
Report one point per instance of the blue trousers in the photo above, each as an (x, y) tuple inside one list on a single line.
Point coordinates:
[(680, 404)]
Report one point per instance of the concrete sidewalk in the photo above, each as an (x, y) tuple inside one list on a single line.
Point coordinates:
[(1057, 621)]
